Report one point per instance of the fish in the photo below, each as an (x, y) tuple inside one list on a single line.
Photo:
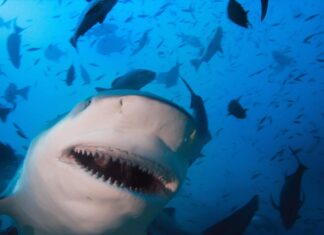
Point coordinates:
[(133, 80), (85, 75), (70, 76), (200, 116), (187, 39), (9, 161), (4, 112), (290, 196), (4, 1), (170, 77), (12, 92), (53, 53), (110, 171), (95, 13), (13, 46), (142, 42), (237, 14), (20, 132), (235, 108), (166, 224), (109, 44), (237, 223), (5, 24), (213, 47), (264, 8)]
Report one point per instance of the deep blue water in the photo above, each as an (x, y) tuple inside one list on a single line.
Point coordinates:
[(273, 67)]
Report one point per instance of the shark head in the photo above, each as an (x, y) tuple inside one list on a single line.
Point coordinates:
[(108, 167)]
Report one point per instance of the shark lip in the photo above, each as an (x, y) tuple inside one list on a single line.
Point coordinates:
[(124, 169)]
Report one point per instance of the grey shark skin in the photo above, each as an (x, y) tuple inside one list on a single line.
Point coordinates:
[(108, 167), (96, 13)]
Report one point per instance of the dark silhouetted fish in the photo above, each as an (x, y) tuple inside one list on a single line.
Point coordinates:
[(9, 162), (110, 43), (236, 223), (4, 23), (53, 53), (264, 7), (170, 77), (96, 13), (191, 40), (85, 75), (12, 92), (70, 76), (4, 111), (133, 80), (213, 47), (290, 197), (235, 109), (4, 1), (142, 42), (200, 116), (19, 131), (13, 46), (237, 14)]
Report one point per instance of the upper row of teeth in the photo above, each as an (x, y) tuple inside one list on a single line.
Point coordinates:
[(99, 154)]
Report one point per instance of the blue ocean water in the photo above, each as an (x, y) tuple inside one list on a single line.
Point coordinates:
[(274, 68)]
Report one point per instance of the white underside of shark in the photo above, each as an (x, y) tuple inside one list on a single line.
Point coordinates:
[(108, 167)]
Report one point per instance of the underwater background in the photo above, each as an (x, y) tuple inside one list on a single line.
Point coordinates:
[(274, 68)]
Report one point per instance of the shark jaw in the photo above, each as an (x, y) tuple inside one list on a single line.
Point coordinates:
[(123, 169), (109, 167)]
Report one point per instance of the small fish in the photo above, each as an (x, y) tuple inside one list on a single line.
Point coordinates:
[(237, 222), (264, 7), (34, 49), (96, 13), (53, 53), (255, 175), (13, 46), (4, 23), (142, 42), (235, 109), (237, 14), (4, 1), (133, 80), (170, 77), (70, 76), (311, 17), (290, 197), (85, 75), (4, 113), (20, 132), (12, 92), (214, 46)]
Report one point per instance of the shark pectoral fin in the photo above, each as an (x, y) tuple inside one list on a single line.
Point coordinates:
[(302, 201), (273, 203)]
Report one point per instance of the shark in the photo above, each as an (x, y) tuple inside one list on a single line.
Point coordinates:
[(109, 166)]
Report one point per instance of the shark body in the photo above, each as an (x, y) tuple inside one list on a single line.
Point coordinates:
[(108, 167)]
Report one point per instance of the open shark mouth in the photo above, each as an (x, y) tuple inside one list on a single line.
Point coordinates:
[(124, 169)]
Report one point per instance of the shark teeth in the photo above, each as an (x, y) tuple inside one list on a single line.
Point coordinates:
[(123, 169)]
